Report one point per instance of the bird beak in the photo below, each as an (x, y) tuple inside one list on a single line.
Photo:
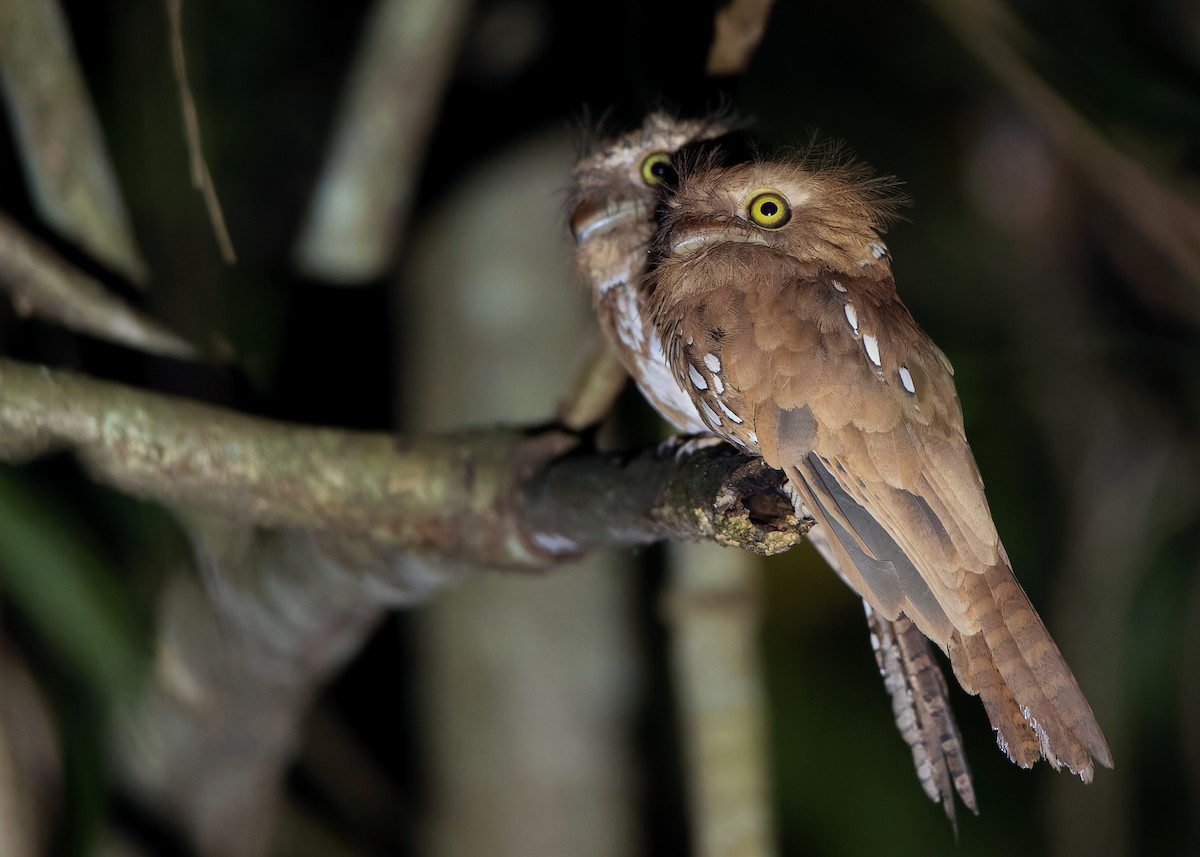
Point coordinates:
[(596, 217), (692, 236)]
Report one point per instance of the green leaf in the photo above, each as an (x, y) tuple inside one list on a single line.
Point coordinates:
[(64, 588)]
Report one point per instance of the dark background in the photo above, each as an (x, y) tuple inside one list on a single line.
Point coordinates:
[(1075, 346)]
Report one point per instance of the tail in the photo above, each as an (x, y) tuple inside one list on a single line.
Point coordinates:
[(1031, 697), (920, 700), (921, 706)]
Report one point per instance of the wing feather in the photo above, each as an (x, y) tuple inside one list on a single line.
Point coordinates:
[(879, 457)]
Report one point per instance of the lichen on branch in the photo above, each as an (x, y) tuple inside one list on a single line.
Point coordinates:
[(500, 496)]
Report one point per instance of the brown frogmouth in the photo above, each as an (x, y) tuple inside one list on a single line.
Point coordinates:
[(616, 191), (773, 296)]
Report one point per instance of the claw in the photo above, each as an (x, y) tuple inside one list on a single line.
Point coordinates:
[(683, 446)]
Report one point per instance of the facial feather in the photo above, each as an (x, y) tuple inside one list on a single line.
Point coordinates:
[(837, 216)]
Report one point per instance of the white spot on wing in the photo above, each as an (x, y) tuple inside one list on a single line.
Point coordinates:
[(689, 340), (710, 413), (837, 285), (906, 379), (718, 384), (872, 346), (713, 362), (852, 318), (753, 437), (697, 378), (878, 250), (727, 412)]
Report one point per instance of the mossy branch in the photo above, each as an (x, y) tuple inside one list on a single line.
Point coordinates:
[(497, 496)]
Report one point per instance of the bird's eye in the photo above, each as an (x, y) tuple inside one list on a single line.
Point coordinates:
[(769, 209), (657, 168)]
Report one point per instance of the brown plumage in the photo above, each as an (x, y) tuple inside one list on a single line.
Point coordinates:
[(921, 707), (612, 219), (774, 298)]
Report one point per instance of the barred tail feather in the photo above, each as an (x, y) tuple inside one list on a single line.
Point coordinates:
[(1030, 695), (922, 711), (920, 698)]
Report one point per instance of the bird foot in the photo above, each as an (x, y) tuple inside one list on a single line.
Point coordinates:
[(683, 446)]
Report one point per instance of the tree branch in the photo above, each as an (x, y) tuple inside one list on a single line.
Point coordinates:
[(713, 609), (714, 494), (59, 138), (42, 283), (497, 496), (360, 205), (739, 28), (597, 387), (201, 177), (304, 536), (346, 515)]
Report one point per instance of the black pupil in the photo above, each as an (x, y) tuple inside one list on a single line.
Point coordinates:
[(768, 209), (659, 168)]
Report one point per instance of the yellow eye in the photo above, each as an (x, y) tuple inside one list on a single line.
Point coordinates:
[(769, 209), (657, 168)]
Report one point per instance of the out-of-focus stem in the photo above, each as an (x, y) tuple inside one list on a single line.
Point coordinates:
[(58, 137), (357, 214), (201, 179), (528, 687), (595, 392), (740, 26), (42, 284), (30, 763), (713, 609)]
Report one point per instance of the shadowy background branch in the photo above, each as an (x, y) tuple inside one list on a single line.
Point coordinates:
[(359, 207), (201, 178), (62, 145), (41, 283)]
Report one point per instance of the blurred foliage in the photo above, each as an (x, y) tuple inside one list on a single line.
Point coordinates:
[(62, 587), (1065, 363)]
